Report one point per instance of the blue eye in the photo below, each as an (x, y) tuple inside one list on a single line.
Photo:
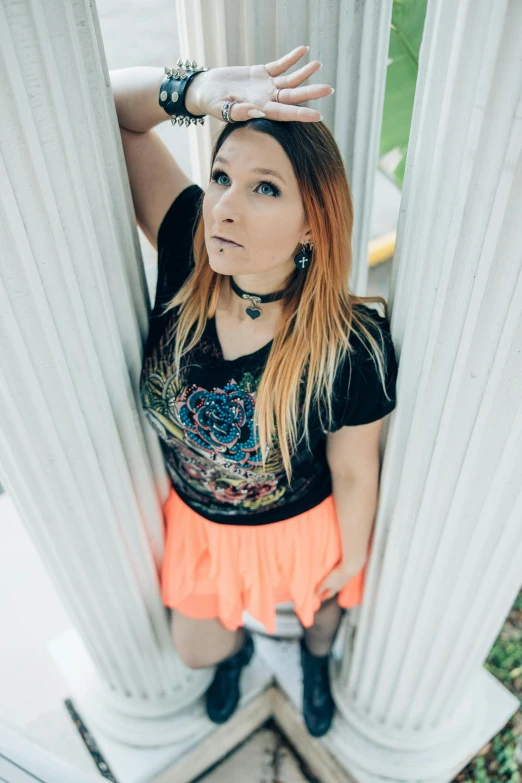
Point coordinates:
[(217, 173)]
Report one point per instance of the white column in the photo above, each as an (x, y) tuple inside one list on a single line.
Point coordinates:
[(82, 466), (415, 701)]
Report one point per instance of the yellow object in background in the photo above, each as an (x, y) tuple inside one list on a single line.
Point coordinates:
[(381, 248)]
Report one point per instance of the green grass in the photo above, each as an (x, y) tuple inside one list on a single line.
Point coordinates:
[(496, 762)]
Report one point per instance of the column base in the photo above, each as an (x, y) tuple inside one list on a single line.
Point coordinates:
[(362, 752), (351, 751), (137, 747), (371, 754)]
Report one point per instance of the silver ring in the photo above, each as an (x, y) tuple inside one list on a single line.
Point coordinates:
[(277, 94), (225, 111)]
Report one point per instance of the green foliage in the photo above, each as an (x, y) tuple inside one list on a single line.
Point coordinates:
[(505, 659), (401, 77), (497, 762)]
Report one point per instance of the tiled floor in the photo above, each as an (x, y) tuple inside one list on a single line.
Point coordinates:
[(31, 689), (267, 755)]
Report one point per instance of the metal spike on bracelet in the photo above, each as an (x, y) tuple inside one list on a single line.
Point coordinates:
[(172, 97)]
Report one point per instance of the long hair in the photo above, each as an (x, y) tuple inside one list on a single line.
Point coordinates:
[(313, 335)]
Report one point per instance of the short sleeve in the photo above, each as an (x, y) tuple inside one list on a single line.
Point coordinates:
[(360, 395), (175, 241)]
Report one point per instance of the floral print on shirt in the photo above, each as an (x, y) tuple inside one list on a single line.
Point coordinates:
[(212, 453)]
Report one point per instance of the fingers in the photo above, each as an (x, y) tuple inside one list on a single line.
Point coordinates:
[(325, 593), (295, 78), (307, 92), (239, 112), (274, 111), (292, 93), (277, 67), (285, 112), (324, 586)]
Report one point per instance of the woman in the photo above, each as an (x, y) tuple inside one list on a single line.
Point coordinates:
[(266, 379)]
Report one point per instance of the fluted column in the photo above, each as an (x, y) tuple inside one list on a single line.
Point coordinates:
[(415, 701), (76, 454)]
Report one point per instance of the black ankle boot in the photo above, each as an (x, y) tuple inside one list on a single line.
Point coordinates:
[(318, 703), (223, 693)]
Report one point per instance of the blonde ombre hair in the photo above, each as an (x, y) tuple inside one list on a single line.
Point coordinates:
[(318, 316)]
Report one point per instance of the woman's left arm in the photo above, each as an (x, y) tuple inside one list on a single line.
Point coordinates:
[(355, 499)]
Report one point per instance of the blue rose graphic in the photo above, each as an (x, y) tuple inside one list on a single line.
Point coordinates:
[(221, 421)]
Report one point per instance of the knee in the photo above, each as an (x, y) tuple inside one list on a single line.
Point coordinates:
[(189, 653), (191, 646), (201, 643), (191, 659)]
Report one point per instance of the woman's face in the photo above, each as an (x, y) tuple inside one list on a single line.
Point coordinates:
[(261, 212)]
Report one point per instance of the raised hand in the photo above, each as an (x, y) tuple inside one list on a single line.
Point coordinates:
[(255, 87)]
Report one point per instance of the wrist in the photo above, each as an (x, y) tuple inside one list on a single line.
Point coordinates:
[(193, 95), (354, 562)]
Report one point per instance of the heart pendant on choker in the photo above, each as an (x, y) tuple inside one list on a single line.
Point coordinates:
[(301, 260), (254, 299)]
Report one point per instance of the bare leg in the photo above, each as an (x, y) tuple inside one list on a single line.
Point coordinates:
[(201, 643), (320, 636)]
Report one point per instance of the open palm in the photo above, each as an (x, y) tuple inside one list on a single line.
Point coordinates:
[(255, 87)]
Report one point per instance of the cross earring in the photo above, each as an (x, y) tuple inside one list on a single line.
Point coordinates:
[(303, 258)]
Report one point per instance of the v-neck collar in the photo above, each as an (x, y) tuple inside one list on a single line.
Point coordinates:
[(239, 359)]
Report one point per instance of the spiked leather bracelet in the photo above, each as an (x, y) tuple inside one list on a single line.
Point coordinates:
[(173, 89)]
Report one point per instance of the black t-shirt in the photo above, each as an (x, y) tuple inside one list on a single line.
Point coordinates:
[(204, 413)]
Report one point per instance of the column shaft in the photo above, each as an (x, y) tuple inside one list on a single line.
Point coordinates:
[(445, 566), (77, 455)]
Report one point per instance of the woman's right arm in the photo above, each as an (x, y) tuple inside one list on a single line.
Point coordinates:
[(155, 177)]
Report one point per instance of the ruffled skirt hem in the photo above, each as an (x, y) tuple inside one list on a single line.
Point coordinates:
[(215, 570)]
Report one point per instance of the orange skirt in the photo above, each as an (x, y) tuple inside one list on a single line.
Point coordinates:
[(216, 570)]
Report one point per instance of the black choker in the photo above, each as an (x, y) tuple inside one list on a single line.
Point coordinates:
[(255, 312)]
